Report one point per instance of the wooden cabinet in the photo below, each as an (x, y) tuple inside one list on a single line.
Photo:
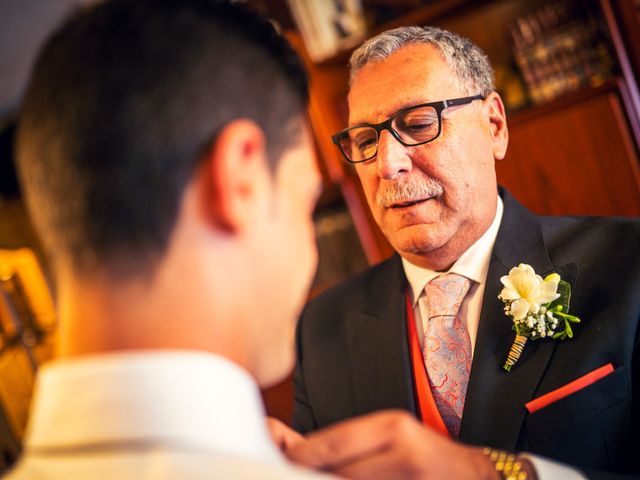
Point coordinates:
[(575, 156)]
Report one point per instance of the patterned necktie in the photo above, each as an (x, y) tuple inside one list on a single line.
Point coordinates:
[(447, 347)]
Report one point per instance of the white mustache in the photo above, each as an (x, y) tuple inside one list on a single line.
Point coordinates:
[(408, 189)]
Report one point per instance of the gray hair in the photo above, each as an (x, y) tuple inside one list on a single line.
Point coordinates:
[(468, 62)]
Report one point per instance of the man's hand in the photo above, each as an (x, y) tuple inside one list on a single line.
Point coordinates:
[(389, 445), (282, 435)]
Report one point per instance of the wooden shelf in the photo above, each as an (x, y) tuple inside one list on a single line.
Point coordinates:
[(429, 14), (566, 100)]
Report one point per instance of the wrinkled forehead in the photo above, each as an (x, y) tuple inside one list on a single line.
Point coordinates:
[(416, 73)]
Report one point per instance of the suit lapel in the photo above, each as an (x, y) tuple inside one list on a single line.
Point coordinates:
[(494, 408), (378, 346)]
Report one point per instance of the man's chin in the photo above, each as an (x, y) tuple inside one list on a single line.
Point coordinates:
[(423, 247), (417, 239)]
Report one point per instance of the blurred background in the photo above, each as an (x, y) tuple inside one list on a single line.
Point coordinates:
[(566, 69)]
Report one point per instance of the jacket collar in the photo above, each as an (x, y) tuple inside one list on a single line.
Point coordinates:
[(494, 408), (378, 346)]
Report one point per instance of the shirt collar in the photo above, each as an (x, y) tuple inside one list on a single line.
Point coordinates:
[(184, 399), (473, 263)]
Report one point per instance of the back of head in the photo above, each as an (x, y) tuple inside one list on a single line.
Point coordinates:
[(469, 63), (123, 101)]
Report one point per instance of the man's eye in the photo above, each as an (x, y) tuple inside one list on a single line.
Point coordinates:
[(417, 124), (364, 142)]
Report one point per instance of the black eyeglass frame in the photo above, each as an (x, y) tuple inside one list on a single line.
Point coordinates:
[(387, 124)]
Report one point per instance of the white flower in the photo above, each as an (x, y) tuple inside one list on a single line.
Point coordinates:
[(526, 291), (527, 300)]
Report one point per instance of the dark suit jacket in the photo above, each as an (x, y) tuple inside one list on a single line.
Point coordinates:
[(353, 348)]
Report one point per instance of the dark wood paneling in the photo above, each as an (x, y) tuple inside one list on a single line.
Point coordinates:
[(278, 400), (577, 159)]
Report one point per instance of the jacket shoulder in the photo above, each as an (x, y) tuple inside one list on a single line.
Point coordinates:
[(357, 290), (588, 240)]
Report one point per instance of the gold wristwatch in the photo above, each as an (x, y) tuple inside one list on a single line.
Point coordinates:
[(506, 464)]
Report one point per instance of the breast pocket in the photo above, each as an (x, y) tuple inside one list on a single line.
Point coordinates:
[(578, 408)]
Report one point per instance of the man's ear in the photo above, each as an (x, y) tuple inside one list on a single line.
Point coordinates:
[(236, 174), (498, 125)]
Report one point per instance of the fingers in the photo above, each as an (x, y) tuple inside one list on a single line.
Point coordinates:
[(389, 445), (394, 463), (429, 457), (356, 441), (282, 435)]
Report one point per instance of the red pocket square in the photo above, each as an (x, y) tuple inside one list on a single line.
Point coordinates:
[(559, 393)]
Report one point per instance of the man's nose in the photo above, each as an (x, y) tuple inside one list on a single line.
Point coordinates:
[(392, 158)]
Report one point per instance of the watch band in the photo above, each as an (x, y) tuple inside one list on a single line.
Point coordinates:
[(506, 464)]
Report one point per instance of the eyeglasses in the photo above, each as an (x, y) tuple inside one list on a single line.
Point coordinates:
[(410, 126)]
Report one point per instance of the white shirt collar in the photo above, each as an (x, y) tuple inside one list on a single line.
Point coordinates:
[(185, 399), (473, 263)]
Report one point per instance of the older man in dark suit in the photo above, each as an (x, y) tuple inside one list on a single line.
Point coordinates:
[(426, 332)]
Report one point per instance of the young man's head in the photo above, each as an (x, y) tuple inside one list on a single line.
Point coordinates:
[(158, 137)]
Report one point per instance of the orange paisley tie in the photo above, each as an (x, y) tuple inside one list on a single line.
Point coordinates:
[(447, 347)]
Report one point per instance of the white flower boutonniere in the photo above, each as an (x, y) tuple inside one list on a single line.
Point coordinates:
[(538, 307)]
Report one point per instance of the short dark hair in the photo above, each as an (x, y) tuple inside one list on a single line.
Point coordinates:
[(124, 100)]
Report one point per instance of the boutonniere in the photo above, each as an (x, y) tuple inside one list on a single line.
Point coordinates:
[(539, 308)]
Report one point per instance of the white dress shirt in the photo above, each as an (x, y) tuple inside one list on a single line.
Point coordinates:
[(149, 415), (474, 264)]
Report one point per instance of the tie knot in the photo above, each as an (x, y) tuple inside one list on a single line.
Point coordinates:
[(446, 293)]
